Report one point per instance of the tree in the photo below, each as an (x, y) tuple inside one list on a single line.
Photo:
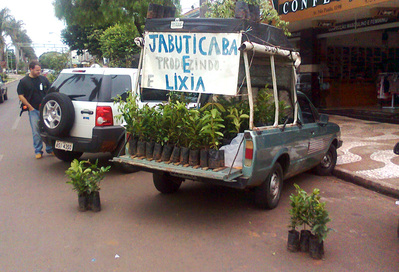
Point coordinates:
[(82, 38), (54, 60), (100, 13), (226, 9), (12, 28), (116, 44)]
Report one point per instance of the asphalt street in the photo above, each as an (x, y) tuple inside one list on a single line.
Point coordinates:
[(200, 228)]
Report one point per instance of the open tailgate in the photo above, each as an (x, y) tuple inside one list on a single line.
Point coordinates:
[(226, 174)]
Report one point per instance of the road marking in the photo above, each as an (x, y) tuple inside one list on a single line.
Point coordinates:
[(15, 125), (1, 157)]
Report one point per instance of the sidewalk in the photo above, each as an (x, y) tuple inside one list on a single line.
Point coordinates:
[(13, 77), (366, 157)]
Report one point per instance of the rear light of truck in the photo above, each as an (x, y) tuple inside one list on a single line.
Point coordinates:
[(104, 116), (249, 152)]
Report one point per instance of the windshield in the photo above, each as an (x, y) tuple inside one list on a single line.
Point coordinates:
[(83, 86)]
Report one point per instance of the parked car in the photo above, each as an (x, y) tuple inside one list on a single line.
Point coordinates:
[(3, 91), (79, 114)]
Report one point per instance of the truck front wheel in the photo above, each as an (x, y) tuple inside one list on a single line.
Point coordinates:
[(165, 183), (268, 194), (327, 164)]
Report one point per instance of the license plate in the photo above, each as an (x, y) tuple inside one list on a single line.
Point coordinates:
[(64, 146)]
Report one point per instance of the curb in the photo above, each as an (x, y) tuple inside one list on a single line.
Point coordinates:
[(366, 183)]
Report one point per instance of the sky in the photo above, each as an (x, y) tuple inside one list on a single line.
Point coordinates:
[(39, 21), (43, 27)]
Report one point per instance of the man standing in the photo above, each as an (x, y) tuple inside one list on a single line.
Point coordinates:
[(31, 90)]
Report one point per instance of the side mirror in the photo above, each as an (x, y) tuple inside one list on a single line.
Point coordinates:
[(396, 149), (323, 121)]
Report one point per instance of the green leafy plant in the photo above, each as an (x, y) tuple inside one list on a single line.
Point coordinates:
[(226, 9), (264, 108), (299, 211), (237, 117), (146, 123), (173, 114), (212, 124), (319, 216), (129, 113), (194, 124), (85, 176), (308, 210)]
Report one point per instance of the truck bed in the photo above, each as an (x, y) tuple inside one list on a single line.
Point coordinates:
[(226, 174)]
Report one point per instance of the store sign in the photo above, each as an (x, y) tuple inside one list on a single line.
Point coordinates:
[(358, 24), (192, 62), (297, 10), (297, 5), (323, 23), (385, 12)]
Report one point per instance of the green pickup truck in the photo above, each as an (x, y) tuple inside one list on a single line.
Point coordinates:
[(233, 57)]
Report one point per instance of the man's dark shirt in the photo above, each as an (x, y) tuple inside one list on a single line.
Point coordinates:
[(33, 89)]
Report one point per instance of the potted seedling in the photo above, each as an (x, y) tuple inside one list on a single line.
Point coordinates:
[(318, 220), (177, 128), (160, 133), (300, 216), (85, 178), (213, 124), (194, 124), (308, 210), (296, 203), (129, 113)]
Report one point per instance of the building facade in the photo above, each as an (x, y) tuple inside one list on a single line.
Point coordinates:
[(349, 49)]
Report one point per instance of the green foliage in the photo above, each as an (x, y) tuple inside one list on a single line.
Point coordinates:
[(299, 211), (12, 29), (226, 9), (309, 210), (87, 19), (193, 124), (4, 77), (129, 113), (85, 176), (116, 44), (237, 116), (146, 123), (264, 108), (319, 216), (174, 114), (80, 38), (54, 60), (52, 77), (212, 124)]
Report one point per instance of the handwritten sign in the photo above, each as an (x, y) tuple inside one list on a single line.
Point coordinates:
[(192, 62)]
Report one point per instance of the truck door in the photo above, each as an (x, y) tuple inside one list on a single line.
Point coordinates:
[(313, 131)]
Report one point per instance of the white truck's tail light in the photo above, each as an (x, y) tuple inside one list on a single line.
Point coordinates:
[(249, 152), (104, 116)]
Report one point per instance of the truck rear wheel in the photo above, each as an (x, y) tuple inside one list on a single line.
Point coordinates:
[(327, 164), (268, 194), (165, 183)]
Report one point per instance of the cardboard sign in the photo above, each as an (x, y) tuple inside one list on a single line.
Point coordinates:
[(192, 62)]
